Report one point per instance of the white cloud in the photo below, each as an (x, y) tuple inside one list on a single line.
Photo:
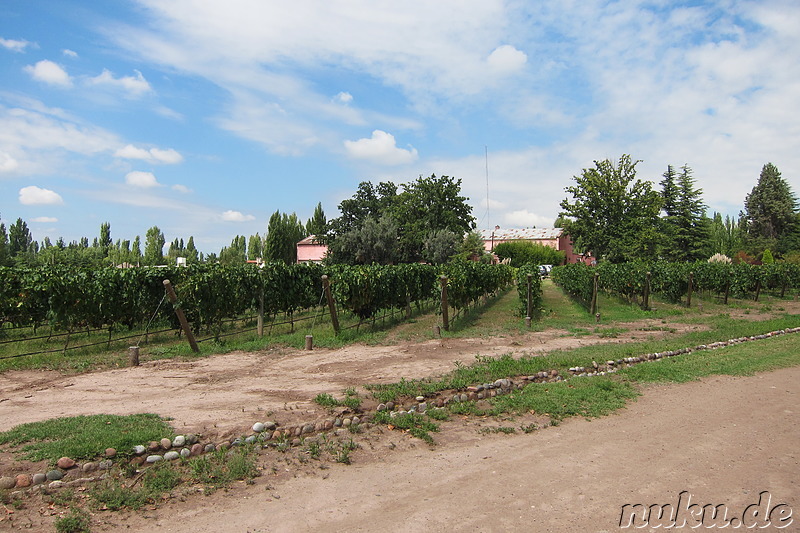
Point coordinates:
[(380, 148), (134, 85), (236, 216), (526, 219), (181, 188), (145, 180), (33, 195), (506, 59), (48, 72), (69, 53), (14, 45), (343, 98), (153, 155), (8, 163), (44, 220)]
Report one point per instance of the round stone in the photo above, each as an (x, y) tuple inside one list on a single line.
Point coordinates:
[(111, 452), (137, 461), (54, 475), (420, 398), (166, 443), (208, 448), (191, 438), (7, 482), (65, 462), (57, 484), (39, 478), (178, 441), (171, 455), (154, 458), (381, 407), (89, 467), (270, 425), (423, 407), (185, 452), (356, 420), (308, 428), (196, 448), (258, 427), (251, 439), (105, 465), (23, 481), (153, 446), (139, 449), (346, 422)]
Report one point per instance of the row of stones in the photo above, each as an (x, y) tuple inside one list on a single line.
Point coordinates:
[(613, 365), (268, 430)]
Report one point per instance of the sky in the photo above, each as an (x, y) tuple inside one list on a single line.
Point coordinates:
[(204, 117)]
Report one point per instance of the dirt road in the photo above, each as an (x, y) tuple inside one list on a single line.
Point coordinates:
[(723, 439)]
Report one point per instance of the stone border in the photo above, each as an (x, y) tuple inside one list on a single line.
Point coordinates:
[(189, 445)]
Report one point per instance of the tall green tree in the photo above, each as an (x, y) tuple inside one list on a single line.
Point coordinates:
[(685, 226), (104, 242), (192, 256), (369, 201), (19, 238), (440, 245), (613, 214), (5, 259), (255, 247), (236, 253), (154, 247), (283, 233), (726, 236), (770, 211), (317, 225)]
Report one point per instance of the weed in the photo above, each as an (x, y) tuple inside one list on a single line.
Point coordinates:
[(77, 521), (502, 429), (113, 496), (63, 498), (414, 423), (161, 478), (438, 414), (530, 428), (326, 400)]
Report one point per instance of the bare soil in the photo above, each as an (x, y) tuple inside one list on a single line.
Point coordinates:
[(723, 439)]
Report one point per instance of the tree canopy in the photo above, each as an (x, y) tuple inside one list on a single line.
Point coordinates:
[(612, 214), (770, 211)]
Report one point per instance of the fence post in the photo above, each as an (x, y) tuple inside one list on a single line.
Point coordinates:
[(593, 309), (689, 291), (646, 295), (445, 319), (326, 284), (528, 316), (758, 289), (181, 317), (133, 355), (261, 314), (727, 291)]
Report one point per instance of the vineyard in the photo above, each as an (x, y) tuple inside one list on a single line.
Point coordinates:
[(113, 300), (675, 282)]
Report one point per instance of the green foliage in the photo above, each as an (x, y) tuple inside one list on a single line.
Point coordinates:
[(770, 209), (416, 424), (685, 226), (83, 437), (161, 477), (374, 242), (317, 224), (283, 233), (766, 257), (440, 246), (154, 247), (525, 252), (613, 215), (77, 521), (529, 273), (423, 206)]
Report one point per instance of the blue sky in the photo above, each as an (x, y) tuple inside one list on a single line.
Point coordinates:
[(205, 117)]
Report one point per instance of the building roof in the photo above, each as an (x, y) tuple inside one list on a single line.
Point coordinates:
[(525, 234), (311, 239)]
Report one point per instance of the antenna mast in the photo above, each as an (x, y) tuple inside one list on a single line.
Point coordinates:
[(486, 154)]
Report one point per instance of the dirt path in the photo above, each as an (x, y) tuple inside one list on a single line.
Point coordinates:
[(722, 439), (225, 394)]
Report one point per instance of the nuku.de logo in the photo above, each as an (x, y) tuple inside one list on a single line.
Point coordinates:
[(686, 514)]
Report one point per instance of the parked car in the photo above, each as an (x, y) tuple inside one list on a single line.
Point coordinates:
[(544, 270)]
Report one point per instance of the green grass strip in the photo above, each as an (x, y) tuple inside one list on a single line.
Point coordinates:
[(84, 437)]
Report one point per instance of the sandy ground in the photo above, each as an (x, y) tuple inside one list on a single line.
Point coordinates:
[(722, 439)]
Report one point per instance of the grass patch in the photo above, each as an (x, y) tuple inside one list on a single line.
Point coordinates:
[(77, 521), (220, 468), (414, 423), (83, 437), (737, 360), (351, 400)]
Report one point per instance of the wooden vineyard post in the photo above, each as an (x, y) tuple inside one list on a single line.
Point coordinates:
[(593, 309), (727, 291), (133, 355), (758, 289), (646, 295), (445, 320), (528, 315), (181, 317), (689, 290), (326, 284), (260, 324)]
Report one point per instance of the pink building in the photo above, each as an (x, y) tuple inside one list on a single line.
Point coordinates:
[(552, 237), (309, 250)]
